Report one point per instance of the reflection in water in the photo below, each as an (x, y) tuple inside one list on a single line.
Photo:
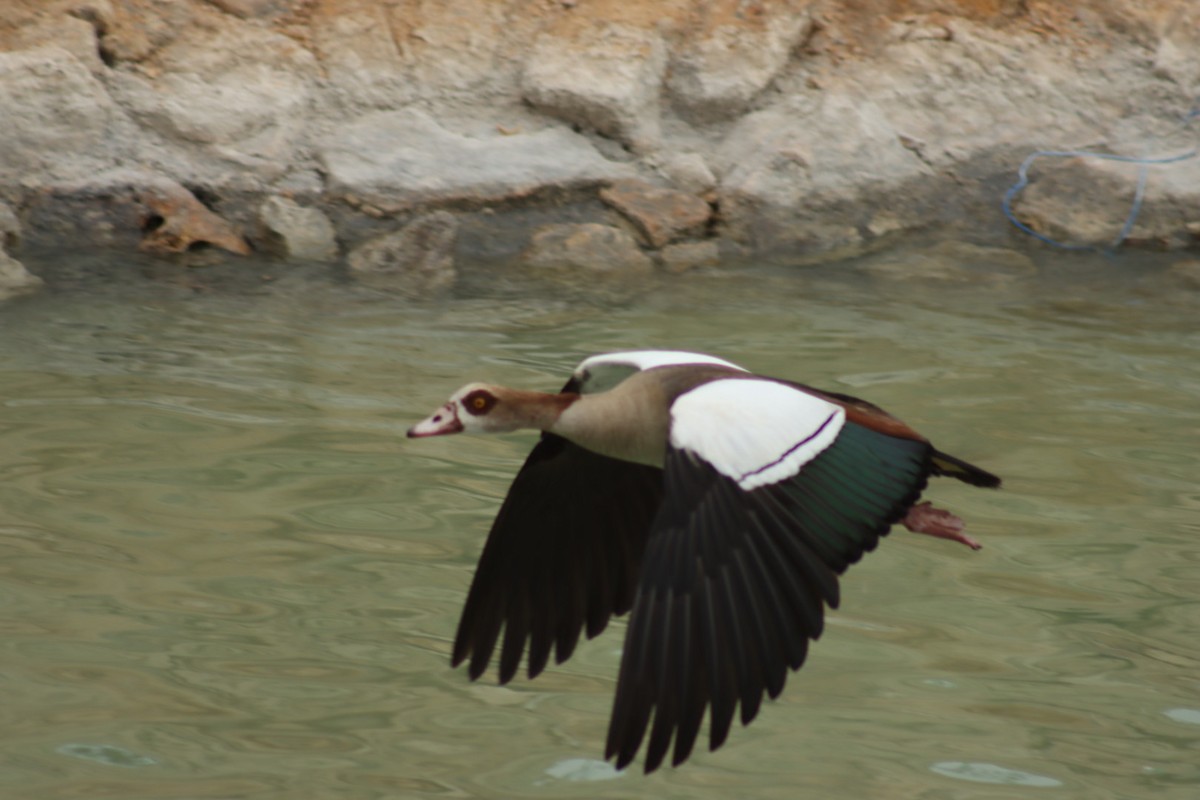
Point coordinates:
[(1188, 716), (106, 754), (224, 566), (978, 772), (583, 769)]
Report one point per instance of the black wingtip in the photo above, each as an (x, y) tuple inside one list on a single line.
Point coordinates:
[(622, 762), (952, 467), (654, 757)]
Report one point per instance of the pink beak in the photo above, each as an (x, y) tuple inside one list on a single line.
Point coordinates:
[(443, 422)]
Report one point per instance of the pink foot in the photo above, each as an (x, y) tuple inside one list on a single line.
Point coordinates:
[(924, 518)]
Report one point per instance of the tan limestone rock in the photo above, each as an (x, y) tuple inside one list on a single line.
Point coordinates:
[(183, 221), (660, 215)]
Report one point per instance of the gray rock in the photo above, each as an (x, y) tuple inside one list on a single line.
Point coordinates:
[(10, 228), (879, 149), (455, 46), (786, 156), (296, 232), (57, 119), (241, 89), (358, 52), (15, 279), (99, 209), (681, 257), (608, 82), (830, 144), (132, 33), (72, 32), (1175, 58), (1087, 201), (687, 171), (717, 74), (251, 8), (397, 159), (789, 188), (377, 56), (589, 248), (1076, 201), (416, 261)]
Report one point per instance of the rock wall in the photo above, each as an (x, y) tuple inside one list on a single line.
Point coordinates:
[(694, 129)]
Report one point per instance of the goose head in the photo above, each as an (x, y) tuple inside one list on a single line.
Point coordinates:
[(486, 408)]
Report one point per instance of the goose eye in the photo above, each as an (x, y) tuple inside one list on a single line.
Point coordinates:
[(479, 402)]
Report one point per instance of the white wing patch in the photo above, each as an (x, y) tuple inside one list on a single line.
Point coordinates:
[(757, 432), (601, 372)]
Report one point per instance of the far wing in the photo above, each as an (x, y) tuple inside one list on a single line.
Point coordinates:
[(562, 556), (601, 372)]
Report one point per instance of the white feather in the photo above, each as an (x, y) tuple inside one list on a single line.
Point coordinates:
[(601, 372), (757, 432)]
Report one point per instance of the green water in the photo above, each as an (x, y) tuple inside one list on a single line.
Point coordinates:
[(224, 573)]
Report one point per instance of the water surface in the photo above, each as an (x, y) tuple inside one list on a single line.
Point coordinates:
[(224, 572)]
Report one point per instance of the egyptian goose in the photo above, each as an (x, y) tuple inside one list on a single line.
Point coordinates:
[(719, 505)]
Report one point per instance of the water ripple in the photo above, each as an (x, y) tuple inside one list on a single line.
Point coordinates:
[(223, 567)]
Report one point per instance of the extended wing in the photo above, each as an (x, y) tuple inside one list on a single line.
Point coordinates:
[(755, 525)]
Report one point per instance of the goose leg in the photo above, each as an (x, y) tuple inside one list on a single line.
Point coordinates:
[(925, 518)]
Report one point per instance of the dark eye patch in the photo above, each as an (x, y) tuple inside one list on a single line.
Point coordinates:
[(479, 402)]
